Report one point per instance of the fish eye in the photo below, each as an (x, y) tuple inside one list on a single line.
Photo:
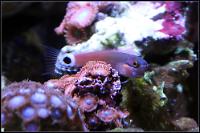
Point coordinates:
[(67, 60), (136, 64)]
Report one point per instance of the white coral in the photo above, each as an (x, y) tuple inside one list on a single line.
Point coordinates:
[(135, 23)]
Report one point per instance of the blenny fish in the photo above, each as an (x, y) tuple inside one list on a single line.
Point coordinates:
[(127, 65)]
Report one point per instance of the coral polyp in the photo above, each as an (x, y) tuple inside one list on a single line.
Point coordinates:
[(29, 106), (88, 102), (115, 66), (96, 86), (79, 18), (74, 35), (81, 15), (109, 115)]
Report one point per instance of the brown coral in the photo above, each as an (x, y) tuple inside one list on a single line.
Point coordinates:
[(95, 87), (65, 83), (79, 15), (98, 77), (96, 68), (88, 102), (30, 106), (109, 115), (74, 35)]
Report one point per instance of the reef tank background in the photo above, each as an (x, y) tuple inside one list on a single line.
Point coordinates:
[(165, 98)]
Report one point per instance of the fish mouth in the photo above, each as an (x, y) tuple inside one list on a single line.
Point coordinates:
[(139, 74), (66, 70)]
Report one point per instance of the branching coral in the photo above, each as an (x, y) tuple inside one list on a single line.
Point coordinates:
[(30, 106), (97, 90)]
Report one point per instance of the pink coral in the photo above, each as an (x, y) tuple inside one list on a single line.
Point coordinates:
[(88, 102), (172, 29), (172, 6), (95, 87), (172, 19), (65, 83), (79, 16)]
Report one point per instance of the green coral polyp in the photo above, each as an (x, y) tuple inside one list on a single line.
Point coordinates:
[(160, 99), (113, 41), (140, 82), (159, 91), (148, 77)]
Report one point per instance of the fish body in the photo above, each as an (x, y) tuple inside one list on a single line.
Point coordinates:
[(128, 65)]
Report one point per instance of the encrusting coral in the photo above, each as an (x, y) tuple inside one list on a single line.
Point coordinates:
[(30, 106), (97, 90)]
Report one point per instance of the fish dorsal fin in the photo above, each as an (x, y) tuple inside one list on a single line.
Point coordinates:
[(130, 50)]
